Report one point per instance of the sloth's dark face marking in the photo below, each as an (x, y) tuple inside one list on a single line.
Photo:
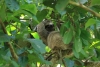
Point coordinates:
[(49, 27)]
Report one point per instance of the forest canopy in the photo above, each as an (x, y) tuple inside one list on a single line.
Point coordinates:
[(78, 24)]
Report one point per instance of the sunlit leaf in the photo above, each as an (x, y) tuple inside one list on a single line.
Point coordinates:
[(47, 49), (36, 36)]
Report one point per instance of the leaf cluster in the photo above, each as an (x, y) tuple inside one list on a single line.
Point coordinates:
[(77, 20)]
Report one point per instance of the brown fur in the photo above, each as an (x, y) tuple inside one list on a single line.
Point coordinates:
[(55, 41)]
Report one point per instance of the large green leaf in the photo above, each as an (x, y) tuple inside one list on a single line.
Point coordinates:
[(90, 22), (68, 37), (78, 44), (61, 5), (41, 14), (12, 5), (37, 45), (30, 7)]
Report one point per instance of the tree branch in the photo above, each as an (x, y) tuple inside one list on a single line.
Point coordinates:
[(14, 55), (86, 8)]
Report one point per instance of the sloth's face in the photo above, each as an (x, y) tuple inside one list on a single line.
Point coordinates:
[(50, 27), (45, 24)]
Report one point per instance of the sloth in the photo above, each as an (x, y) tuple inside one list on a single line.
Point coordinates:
[(49, 36), (43, 29), (53, 40)]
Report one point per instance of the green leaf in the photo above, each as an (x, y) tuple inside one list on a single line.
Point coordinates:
[(37, 57), (85, 34), (61, 5), (78, 44), (7, 58), (23, 60), (95, 2), (84, 53), (12, 5), (14, 64), (41, 14), (35, 34), (5, 38), (68, 37), (76, 54), (3, 12), (85, 41), (50, 3), (30, 7), (90, 22), (37, 45)]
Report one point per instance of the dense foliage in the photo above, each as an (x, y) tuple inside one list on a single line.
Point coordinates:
[(80, 25)]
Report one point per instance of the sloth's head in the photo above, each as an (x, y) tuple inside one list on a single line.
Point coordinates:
[(44, 28), (45, 24), (49, 26)]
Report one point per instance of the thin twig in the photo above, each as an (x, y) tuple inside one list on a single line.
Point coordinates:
[(14, 55)]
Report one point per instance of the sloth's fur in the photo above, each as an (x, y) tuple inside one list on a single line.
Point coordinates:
[(53, 40)]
